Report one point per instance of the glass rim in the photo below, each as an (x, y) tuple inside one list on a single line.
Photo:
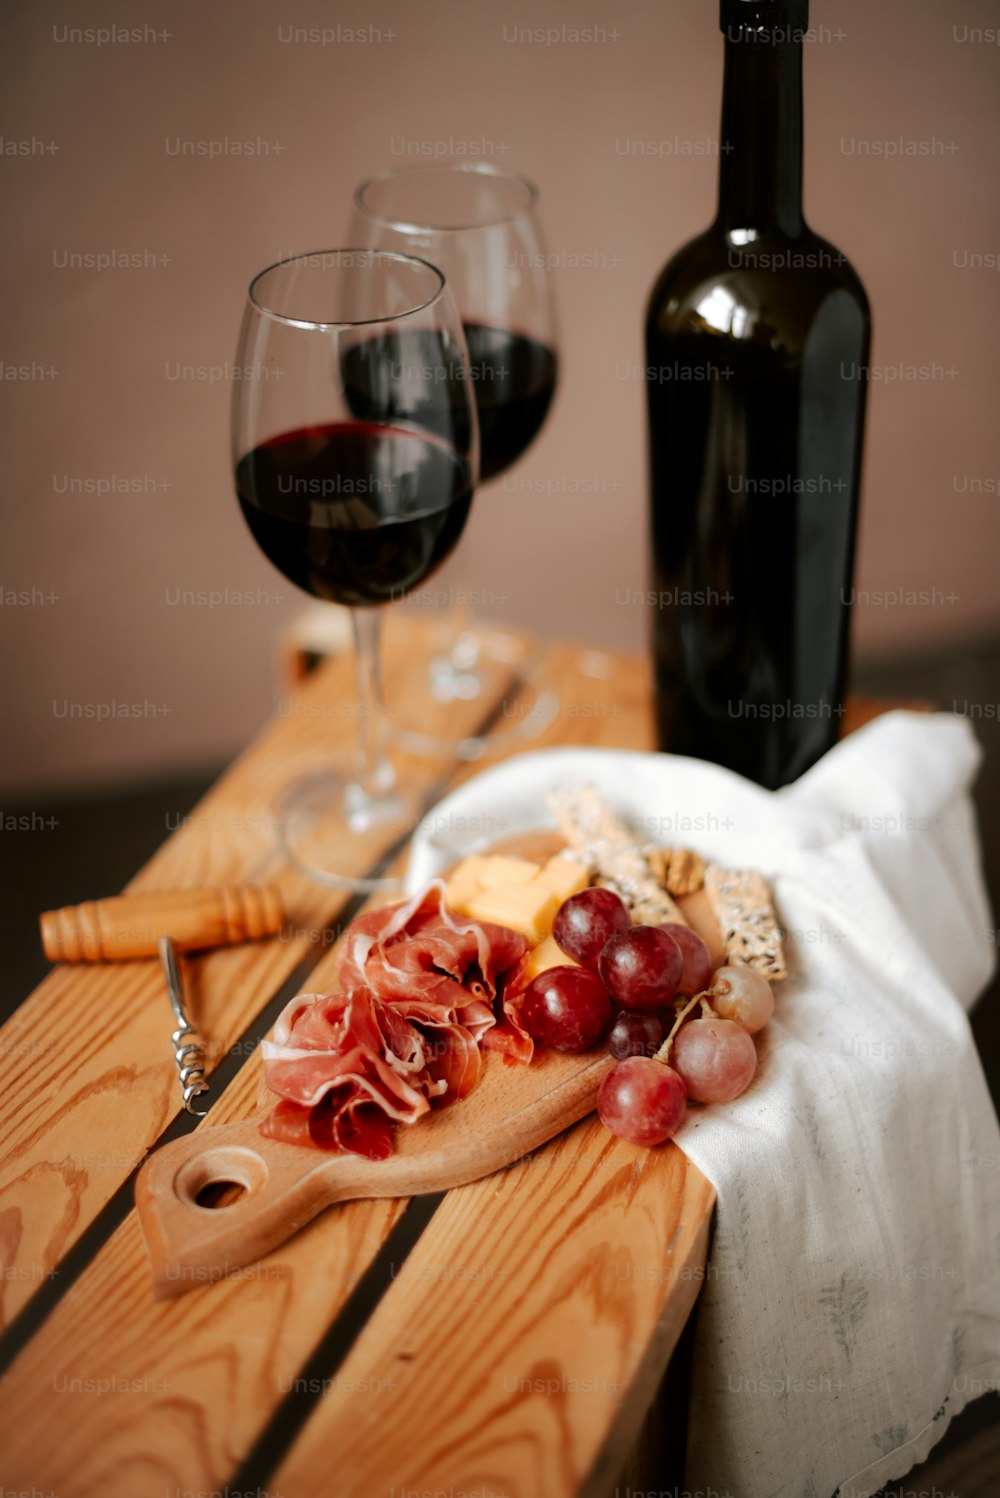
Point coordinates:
[(448, 165), (350, 322)]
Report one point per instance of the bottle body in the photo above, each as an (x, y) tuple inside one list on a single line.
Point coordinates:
[(757, 340)]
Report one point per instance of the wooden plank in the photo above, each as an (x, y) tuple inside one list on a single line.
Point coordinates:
[(178, 1391), (523, 1339), (227, 1352), (156, 1397), (89, 1076), (513, 1111), (969, 1469), (861, 710)]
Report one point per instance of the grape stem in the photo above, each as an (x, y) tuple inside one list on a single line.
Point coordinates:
[(663, 1054)]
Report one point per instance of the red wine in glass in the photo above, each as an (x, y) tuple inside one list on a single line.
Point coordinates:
[(355, 512), (479, 224), (400, 377), (515, 379)]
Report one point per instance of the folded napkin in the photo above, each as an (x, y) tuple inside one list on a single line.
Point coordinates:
[(852, 1304)]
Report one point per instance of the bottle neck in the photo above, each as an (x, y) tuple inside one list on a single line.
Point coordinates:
[(760, 150)]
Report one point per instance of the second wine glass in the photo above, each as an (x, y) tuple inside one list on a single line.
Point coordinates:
[(480, 225)]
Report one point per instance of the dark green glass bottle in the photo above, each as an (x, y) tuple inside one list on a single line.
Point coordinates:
[(757, 339)]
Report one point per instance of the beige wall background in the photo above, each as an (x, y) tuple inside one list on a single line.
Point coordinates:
[(102, 399)]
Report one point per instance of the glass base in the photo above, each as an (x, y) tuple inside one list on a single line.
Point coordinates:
[(488, 668), (328, 824), (459, 676)]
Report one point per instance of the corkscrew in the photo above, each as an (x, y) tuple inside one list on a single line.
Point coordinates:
[(166, 922), (189, 1051)]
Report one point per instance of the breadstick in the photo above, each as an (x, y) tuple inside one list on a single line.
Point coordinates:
[(742, 904), (605, 845)]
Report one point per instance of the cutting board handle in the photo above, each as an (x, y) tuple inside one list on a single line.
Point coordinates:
[(514, 1110), (282, 1188)]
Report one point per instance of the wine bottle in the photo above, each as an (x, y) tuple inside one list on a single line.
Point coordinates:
[(757, 337)]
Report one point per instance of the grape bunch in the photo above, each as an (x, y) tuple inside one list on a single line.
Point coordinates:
[(629, 981)]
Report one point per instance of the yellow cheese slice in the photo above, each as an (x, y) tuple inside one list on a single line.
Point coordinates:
[(547, 954), (499, 869), (464, 881), (528, 908), (564, 877)]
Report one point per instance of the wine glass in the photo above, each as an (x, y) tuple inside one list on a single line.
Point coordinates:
[(355, 508), (480, 225)]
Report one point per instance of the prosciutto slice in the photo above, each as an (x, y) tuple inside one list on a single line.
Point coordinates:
[(418, 989), (509, 1036), (421, 952)]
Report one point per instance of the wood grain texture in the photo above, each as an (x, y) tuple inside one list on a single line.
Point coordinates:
[(274, 1188), (90, 1082), (153, 1396), (512, 1111), (124, 927), (523, 1338), (150, 1396)]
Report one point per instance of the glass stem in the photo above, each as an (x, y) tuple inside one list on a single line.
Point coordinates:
[(374, 775)]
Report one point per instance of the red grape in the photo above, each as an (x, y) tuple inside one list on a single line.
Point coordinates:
[(566, 1008), (716, 1059), (585, 922), (642, 1101), (641, 967), (743, 995), (698, 966), (634, 1034)]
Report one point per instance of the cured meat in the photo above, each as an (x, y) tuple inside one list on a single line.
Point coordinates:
[(418, 988), (510, 1037), (421, 952)]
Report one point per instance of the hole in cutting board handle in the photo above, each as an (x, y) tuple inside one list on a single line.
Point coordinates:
[(220, 1177), (217, 1194)]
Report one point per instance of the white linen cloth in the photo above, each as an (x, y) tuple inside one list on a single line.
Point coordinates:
[(852, 1305)]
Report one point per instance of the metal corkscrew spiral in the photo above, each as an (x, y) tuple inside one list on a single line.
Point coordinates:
[(189, 1051)]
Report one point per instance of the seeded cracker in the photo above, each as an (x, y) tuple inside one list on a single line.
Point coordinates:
[(742, 904), (610, 851)]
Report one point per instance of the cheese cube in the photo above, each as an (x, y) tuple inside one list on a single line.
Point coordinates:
[(464, 881), (547, 954), (528, 908), (564, 877), (470, 868), (498, 869)]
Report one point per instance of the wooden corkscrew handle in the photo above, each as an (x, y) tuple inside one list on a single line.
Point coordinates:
[(127, 926)]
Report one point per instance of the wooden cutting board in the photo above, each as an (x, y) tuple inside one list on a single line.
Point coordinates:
[(197, 1230), (514, 1110)]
